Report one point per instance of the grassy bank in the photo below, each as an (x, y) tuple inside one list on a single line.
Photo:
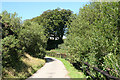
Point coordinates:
[(23, 68), (72, 72), (59, 51)]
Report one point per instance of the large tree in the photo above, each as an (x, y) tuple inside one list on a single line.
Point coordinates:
[(54, 21)]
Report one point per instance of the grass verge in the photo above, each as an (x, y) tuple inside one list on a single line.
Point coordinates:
[(72, 72), (24, 68)]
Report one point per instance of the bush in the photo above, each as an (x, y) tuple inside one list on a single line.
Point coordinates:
[(11, 51), (112, 64), (17, 39), (33, 38), (94, 34)]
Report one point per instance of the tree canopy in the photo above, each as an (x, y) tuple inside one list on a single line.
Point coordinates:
[(54, 21), (93, 36)]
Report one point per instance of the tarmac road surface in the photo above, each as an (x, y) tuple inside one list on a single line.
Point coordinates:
[(53, 68)]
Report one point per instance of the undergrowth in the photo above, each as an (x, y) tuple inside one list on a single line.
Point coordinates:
[(24, 68)]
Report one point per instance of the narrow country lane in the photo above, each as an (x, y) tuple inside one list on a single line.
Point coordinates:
[(52, 69)]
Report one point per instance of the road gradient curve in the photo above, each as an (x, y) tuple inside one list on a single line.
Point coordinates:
[(53, 68)]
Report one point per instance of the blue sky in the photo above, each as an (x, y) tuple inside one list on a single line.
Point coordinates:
[(28, 10)]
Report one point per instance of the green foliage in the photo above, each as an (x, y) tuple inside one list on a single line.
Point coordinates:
[(10, 23), (18, 39), (11, 50), (112, 63), (54, 21), (33, 39), (94, 34)]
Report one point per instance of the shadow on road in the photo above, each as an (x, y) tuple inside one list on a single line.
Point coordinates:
[(48, 60)]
